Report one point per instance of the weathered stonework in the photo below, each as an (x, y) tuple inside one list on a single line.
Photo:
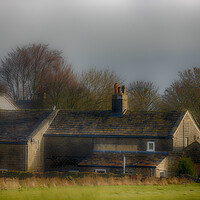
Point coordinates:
[(13, 156), (186, 133), (119, 103), (169, 165), (64, 151), (73, 139), (140, 144), (35, 158)]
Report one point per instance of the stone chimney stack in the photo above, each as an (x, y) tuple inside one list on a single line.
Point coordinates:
[(119, 100)]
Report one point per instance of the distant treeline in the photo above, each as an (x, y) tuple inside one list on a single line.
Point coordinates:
[(35, 72)]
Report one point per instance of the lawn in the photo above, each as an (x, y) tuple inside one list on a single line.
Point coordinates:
[(104, 192)]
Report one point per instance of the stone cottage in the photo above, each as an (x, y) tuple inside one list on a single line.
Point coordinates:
[(21, 139), (116, 141)]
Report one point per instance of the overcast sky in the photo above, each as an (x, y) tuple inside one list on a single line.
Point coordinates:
[(139, 39)]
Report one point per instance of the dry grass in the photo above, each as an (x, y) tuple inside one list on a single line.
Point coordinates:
[(89, 180)]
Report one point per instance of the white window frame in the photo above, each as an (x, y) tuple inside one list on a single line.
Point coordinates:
[(100, 170), (148, 143)]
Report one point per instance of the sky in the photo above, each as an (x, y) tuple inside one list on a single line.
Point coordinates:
[(149, 40)]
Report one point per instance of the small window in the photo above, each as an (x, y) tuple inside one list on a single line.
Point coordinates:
[(162, 174), (186, 141), (100, 171), (195, 137), (36, 145), (150, 146)]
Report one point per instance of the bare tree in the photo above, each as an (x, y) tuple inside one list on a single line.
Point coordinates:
[(24, 68), (99, 86), (3, 88), (10, 74), (143, 96), (184, 93), (59, 84)]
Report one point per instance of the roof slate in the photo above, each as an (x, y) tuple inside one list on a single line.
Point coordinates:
[(104, 123), (16, 126), (108, 159)]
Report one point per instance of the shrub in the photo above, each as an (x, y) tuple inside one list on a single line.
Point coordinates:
[(186, 167)]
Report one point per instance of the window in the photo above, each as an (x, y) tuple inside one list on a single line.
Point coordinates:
[(100, 171), (150, 146), (162, 174), (195, 137), (186, 141), (36, 143)]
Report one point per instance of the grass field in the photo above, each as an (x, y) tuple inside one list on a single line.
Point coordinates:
[(189, 191)]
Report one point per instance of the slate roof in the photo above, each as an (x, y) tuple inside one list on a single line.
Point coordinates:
[(193, 151), (16, 126), (108, 159), (27, 104), (105, 123)]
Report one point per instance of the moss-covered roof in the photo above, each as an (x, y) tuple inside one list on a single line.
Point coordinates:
[(193, 151), (108, 159), (16, 126), (105, 123)]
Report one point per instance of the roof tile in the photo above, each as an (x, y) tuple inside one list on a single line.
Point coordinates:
[(16, 126), (103, 122)]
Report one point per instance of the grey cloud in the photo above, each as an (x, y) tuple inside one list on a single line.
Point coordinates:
[(140, 39)]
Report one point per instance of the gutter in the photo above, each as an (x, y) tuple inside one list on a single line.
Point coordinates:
[(6, 142), (108, 136), (134, 152), (116, 166)]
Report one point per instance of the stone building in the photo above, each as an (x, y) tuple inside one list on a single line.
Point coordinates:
[(7, 103), (193, 151), (150, 142), (116, 141), (21, 139)]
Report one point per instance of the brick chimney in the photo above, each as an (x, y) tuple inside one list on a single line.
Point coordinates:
[(119, 100)]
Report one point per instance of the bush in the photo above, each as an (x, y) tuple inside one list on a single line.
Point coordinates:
[(186, 167)]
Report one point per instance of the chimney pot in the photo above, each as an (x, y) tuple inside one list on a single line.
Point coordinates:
[(119, 100), (123, 89), (116, 88)]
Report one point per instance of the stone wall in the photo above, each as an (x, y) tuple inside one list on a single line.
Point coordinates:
[(129, 144), (36, 145), (36, 153), (13, 157), (168, 165), (119, 103), (63, 151), (186, 133)]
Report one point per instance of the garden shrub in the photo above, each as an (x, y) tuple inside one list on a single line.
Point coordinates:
[(186, 167)]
